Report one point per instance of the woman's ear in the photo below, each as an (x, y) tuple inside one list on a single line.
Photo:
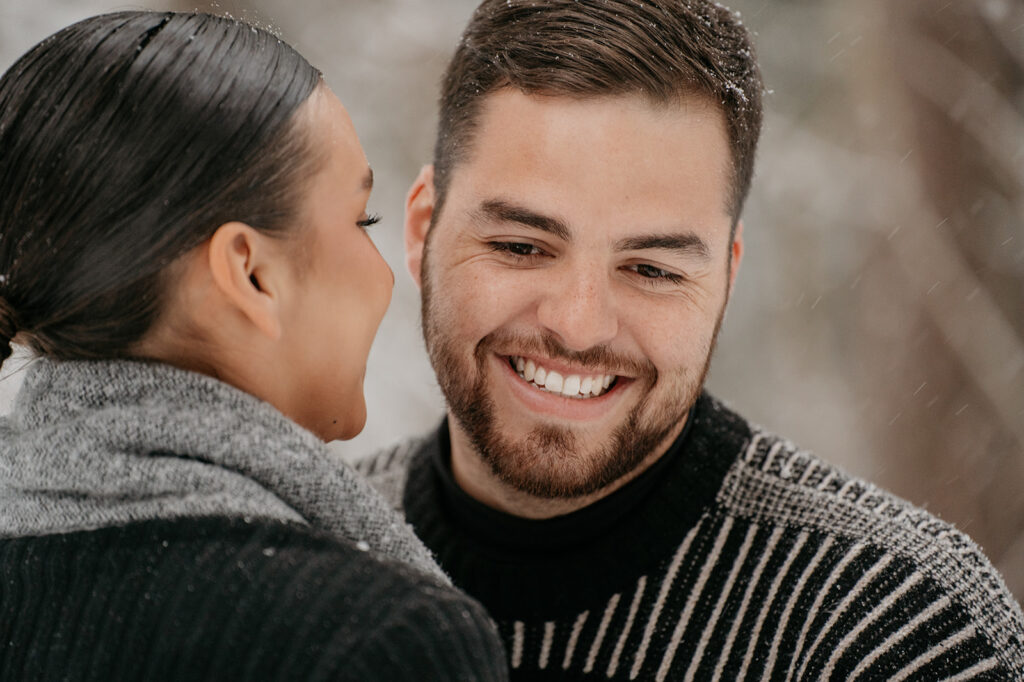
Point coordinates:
[(419, 211), (246, 269)]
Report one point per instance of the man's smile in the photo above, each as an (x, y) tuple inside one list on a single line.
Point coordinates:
[(543, 375), (560, 390)]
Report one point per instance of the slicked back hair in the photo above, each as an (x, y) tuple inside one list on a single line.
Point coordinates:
[(662, 50), (126, 140)]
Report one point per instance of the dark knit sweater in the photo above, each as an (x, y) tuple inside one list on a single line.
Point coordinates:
[(220, 599), (158, 524), (737, 557)]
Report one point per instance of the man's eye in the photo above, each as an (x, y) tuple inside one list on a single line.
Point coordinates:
[(516, 248), (650, 272)]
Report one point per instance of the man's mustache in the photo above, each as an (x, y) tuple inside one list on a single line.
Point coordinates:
[(599, 359)]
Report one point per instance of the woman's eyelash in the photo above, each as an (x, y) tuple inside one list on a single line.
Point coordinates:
[(371, 219)]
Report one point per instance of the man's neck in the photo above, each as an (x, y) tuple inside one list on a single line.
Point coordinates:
[(478, 481)]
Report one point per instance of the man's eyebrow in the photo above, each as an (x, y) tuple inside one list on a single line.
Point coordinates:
[(368, 180), (502, 211), (684, 243)]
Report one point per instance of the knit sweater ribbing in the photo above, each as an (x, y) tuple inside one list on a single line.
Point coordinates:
[(222, 600), (161, 525), (750, 560)]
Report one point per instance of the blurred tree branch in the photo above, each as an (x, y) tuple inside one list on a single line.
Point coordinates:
[(960, 68)]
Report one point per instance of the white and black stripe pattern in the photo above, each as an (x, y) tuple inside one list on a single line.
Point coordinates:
[(777, 482), (747, 560), (748, 602)]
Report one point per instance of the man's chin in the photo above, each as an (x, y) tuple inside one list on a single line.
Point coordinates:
[(548, 480), (561, 463), (535, 448)]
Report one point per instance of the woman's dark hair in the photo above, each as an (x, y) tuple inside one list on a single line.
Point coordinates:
[(660, 49), (126, 139)]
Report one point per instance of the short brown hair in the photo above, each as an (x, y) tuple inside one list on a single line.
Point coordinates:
[(660, 49)]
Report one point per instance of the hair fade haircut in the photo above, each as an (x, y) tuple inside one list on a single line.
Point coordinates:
[(661, 50), (126, 140)]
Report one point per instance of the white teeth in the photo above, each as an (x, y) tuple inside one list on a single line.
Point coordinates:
[(553, 382), (572, 386)]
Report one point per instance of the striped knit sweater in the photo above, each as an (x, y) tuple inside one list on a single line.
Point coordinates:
[(737, 557)]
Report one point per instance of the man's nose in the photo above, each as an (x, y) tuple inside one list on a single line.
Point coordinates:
[(578, 307)]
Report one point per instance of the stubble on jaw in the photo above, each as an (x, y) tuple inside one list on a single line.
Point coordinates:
[(550, 461)]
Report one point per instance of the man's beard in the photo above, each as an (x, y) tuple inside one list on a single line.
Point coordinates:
[(550, 461)]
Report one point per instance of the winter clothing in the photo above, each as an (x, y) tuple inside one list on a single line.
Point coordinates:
[(161, 524), (735, 557)]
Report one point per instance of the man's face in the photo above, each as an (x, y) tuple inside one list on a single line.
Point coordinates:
[(584, 244)]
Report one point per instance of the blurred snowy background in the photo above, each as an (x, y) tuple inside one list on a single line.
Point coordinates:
[(879, 316)]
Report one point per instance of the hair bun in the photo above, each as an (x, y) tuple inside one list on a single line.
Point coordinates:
[(8, 328)]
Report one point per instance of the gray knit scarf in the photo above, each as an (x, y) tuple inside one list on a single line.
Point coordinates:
[(96, 444)]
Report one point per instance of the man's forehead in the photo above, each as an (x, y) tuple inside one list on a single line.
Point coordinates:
[(540, 103), (624, 158), (513, 126)]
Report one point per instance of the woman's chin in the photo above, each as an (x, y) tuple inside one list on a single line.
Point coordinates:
[(347, 425)]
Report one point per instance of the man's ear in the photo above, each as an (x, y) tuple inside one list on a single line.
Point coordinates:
[(245, 269), (419, 211), (735, 255)]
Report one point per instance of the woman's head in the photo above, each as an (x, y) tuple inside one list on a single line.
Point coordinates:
[(127, 142)]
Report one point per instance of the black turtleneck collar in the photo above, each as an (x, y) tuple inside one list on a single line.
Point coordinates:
[(519, 534), (548, 566)]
